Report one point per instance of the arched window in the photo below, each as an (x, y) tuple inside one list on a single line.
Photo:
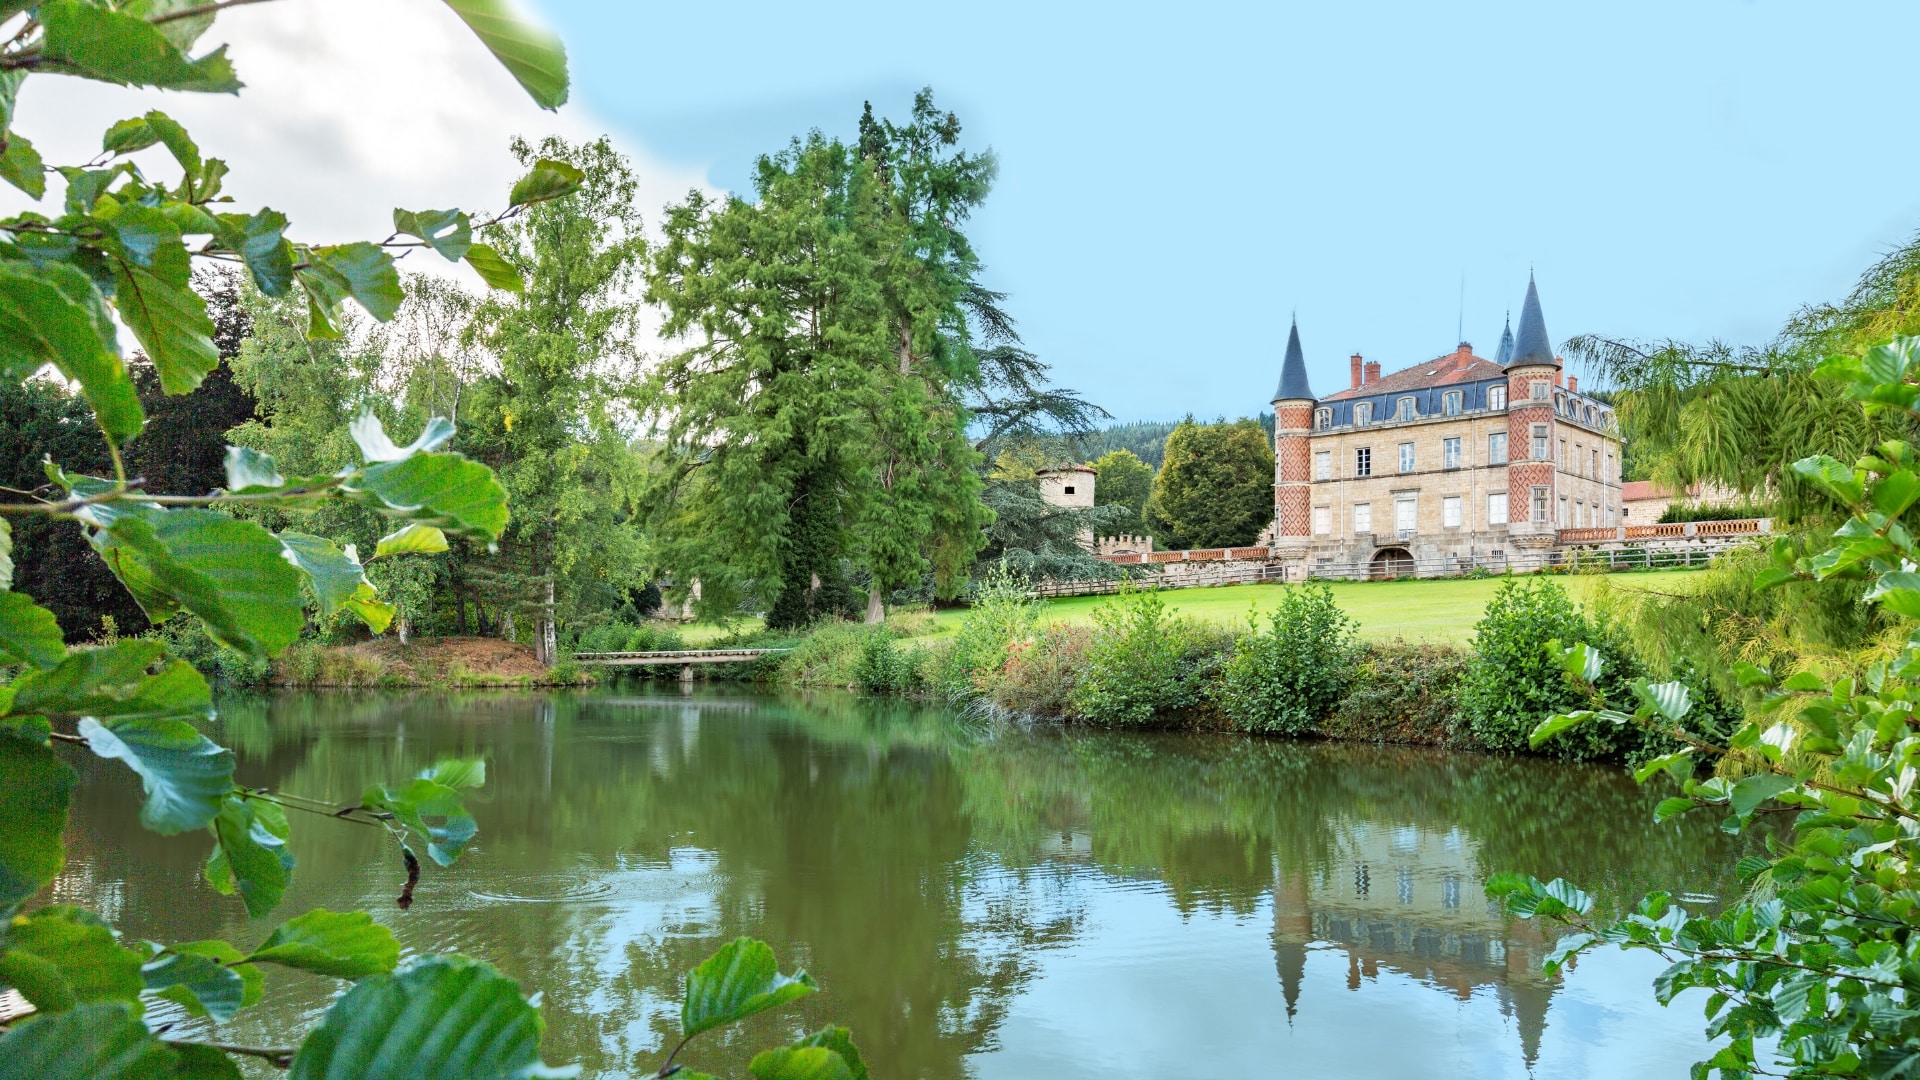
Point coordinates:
[(1322, 419), (1450, 403), (1404, 410), (1496, 397), (1363, 413)]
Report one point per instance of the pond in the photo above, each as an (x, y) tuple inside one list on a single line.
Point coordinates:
[(976, 900)]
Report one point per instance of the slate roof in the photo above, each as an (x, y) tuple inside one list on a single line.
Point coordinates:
[(1293, 370), (1504, 354), (1532, 345), (1460, 366)]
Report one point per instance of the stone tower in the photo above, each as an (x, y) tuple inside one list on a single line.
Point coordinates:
[(1293, 405), (1532, 373)]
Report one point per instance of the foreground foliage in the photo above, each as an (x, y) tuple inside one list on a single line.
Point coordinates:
[(1822, 956), (1287, 679)]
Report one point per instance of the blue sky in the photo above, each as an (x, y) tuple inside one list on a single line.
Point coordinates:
[(1176, 179)]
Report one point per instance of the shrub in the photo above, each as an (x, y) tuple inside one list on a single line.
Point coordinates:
[(1289, 677), (882, 667), (187, 638), (1039, 675), (1402, 693), (1516, 676), (1002, 613), (828, 656), (1143, 665)]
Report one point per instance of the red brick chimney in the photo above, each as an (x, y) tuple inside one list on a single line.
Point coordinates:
[(1356, 371), (1558, 379), (1573, 384), (1373, 371)]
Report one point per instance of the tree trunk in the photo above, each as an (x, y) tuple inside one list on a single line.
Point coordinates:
[(548, 647), (405, 627), (876, 607), (506, 625)]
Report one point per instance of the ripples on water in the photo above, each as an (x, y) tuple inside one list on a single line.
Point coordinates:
[(976, 902)]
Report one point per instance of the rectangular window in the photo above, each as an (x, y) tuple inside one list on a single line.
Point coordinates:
[(1497, 448), (1405, 409), (1362, 518), (1322, 520), (1406, 457), (1579, 458), (1579, 513), (1323, 465), (1609, 517), (1596, 463), (1540, 442), (1540, 505), (1363, 461), (1496, 397), (1609, 472), (1497, 508), (1323, 418), (1406, 514), (1363, 413), (1562, 519), (1563, 454), (1450, 511), (1450, 403), (1539, 389), (1450, 452)]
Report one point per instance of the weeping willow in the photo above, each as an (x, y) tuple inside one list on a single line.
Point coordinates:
[(1738, 416)]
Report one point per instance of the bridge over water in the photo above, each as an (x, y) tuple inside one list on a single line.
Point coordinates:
[(686, 658)]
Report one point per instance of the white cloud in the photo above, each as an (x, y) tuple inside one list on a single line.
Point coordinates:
[(352, 107)]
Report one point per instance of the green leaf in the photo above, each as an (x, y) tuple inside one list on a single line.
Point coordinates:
[(35, 787), (207, 978), (129, 136), (361, 270), (61, 957), (158, 304), (443, 490), (738, 981), (433, 811), (20, 165), (1554, 725), (6, 555), (102, 1041), (457, 772), (53, 315), (1832, 477), (178, 143), (233, 574), (535, 57), (1895, 493), (249, 470), (1671, 807), (445, 1018), (28, 632), (799, 1063), (100, 43), (118, 681), (1750, 792), (195, 1062), (252, 857), (1662, 763), (338, 579), (840, 1041), (186, 774), (449, 232), (260, 239), (371, 437), (345, 946), (1671, 700), (495, 271), (415, 539), (548, 179)]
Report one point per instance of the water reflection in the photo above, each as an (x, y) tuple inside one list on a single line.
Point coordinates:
[(977, 901)]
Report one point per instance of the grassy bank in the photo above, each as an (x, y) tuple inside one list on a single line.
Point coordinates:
[(457, 663)]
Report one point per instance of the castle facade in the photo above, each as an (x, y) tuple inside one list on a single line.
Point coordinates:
[(1449, 464)]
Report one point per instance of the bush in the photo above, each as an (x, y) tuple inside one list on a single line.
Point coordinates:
[(1039, 675), (619, 636), (1002, 613), (1682, 512), (187, 638), (1402, 693), (1287, 679), (1516, 676), (883, 668), (1144, 666)]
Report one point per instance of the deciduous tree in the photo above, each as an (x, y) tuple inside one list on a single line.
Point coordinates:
[(1216, 488)]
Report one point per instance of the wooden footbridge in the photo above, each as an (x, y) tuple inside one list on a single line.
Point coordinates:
[(686, 658)]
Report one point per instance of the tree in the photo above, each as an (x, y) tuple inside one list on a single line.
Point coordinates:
[(1815, 963), (814, 432), (1124, 481), (549, 417), (1216, 488), (183, 445)]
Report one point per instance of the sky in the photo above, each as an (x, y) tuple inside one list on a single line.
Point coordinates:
[(1176, 181)]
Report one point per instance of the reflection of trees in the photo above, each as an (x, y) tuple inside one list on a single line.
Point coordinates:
[(914, 863)]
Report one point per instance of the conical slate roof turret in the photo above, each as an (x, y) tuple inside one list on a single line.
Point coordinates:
[(1293, 371), (1505, 354), (1532, 345)]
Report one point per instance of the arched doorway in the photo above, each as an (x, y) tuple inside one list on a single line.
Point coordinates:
[(1392, 562)]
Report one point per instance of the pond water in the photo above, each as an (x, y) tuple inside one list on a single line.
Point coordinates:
[(975, 900)]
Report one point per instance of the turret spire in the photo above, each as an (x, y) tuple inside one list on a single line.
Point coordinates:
[(1532, 345), (1506, 343), (1293, 371)]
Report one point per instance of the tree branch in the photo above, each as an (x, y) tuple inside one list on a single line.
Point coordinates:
[(202, 9)]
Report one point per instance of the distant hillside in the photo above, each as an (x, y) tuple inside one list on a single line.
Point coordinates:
[(1146, 438)]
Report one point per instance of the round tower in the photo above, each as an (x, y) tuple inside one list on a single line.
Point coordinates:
[(1532, 371), (1293, 446)]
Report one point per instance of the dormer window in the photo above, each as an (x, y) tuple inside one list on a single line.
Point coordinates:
[(1496, 397), (1450, 403), (1322, 419), (1363, 413), (1589, 416), (1405, 409)]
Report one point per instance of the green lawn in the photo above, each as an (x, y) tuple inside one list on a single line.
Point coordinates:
[(1438, 610)]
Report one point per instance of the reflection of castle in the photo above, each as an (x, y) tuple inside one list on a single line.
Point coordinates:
[(1409, 900)]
